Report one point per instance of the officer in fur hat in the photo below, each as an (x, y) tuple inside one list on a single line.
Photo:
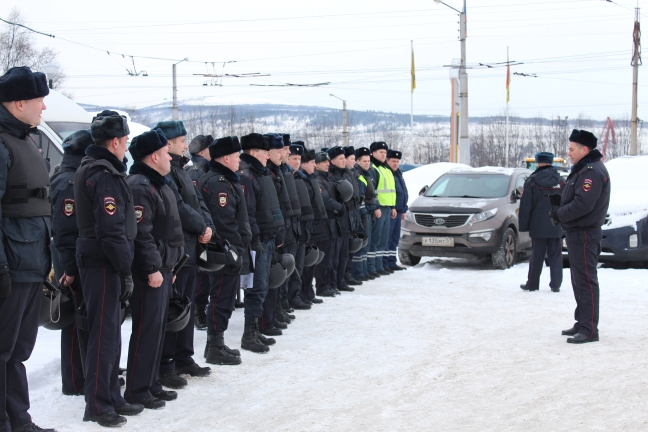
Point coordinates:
[(386, 196), (393, 161), (366, 183), (24, 251), (158, 247), (583, 208), (107, 226)]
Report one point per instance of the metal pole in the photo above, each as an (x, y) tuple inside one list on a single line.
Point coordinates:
[(412, 103), (506, 136), (174, 109), (345, 134), (464, 139), (635, 78)]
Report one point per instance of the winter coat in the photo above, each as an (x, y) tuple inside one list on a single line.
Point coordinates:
[(401, 192), (535, 206)]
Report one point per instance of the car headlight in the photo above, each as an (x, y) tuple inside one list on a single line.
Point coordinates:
[(483, 216), (409, 216), (633, 241), (480, 235)]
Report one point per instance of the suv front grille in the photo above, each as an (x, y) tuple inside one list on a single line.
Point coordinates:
[(441, 220)]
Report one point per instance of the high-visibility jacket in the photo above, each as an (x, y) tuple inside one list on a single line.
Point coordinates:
[(386, 190)]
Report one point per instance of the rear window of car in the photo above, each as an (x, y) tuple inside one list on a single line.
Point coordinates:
[(65, 129), (470, 186)]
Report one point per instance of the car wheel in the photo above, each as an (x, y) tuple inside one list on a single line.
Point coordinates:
[(507, 251), (408, 259)]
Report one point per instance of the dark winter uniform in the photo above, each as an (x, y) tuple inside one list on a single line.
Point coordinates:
[(366, 182), (534, 218), (159, 245), (319, 231), (402, 197), (325, 274), (24, 256), (293, 232), (346, 221), (582, 212), (306, 223)]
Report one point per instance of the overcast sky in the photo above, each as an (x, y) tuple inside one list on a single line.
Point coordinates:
[(579, 49)]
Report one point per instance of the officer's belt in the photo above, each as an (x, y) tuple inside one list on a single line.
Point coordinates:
[(19, 194)]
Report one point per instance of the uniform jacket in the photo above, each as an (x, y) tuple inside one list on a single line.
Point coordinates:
[(586, 196), (333, 207), (307, 212), (535, 206), (64, 222), (401, 192), (105, 215), (25, 252), (319, 227), (160, 241), (226, 201), (194, 215), (367, 191), (385, 183), (199, 166), (286, 234), (346, 219)]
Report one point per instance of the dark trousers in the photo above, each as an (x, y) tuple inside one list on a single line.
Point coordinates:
[(584, 248), (101, 290), (323, 271), (222, 296), (201, 297), (308, 274), (389, 259), (19, 316), (269, 307), (149, 308), (284, 289), (255, 296), (377, 245), (295, 280), (551, 247), (178, 347), (359, 260), (72, 375), (340, 259)]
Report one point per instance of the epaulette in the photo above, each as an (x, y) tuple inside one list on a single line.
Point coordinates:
[(144, 180), (222, 178)]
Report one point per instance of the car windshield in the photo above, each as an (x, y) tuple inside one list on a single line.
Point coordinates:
[(470, 186), (65, 129)]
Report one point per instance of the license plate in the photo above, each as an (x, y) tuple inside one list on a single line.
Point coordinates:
[(438, 241)]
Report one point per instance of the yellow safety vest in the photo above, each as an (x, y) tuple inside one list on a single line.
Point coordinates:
[(362, 179), (386, 191)]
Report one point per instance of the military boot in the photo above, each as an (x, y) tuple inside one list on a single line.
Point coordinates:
[(250, 340), (217, 352), (200, 320)]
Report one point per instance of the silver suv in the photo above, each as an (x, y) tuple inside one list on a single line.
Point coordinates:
[(467, 212)]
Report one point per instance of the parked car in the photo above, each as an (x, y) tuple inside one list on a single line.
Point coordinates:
[(467, 212)]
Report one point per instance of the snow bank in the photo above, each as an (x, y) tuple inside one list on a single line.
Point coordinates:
[(426, 175), (628, 199)]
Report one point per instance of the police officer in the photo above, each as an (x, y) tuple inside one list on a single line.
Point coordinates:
[(386, 195), (319, 230), (103, 204), (178, 348), (366, 183), (546, 238), (393, 161), (353, 206), (25, 221), (226, 201), (158, 247), (64, 235), (266, 222), (199, 166), (329, 241), (582, 212)]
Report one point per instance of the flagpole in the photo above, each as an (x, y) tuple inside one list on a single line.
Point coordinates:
[(508, 83), (412, 101)]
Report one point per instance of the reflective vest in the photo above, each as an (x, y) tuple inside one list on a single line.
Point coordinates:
[(386, 191)]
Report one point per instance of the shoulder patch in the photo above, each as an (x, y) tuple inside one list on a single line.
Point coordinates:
[(587, 185), (68, 207), (110, 205), (139, 213), (222, 199)]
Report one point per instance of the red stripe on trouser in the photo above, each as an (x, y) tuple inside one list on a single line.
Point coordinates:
[(139, 334), (588, 279), (214, 303), (103, 297), (72, 356)]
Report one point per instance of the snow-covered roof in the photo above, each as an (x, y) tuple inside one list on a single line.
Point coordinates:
[(628, 198)]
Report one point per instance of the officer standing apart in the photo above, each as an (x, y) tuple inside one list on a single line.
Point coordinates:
[(25, 232), (65, 233), (104, 251), (158, 247), (393, 161), (546, 238), (582, 212), (178, 349), (224, 196)]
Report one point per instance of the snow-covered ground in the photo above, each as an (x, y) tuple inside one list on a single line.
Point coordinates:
[(448, 345)]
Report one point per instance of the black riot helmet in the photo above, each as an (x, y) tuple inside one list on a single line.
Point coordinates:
[(311, 255), (215, 256), (56, 309), (278, 273), (345, 189), (356, 241), (179, 314)]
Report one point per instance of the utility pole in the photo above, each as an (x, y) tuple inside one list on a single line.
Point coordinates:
[(636, 61), (506, 132), (464, 138), (345, 133), (174, 108)]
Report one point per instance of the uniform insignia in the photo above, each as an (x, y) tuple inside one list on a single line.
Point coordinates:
[(222, 199), (68, 207), (587, 185), (139, 213), (110, 205), (243, 187), (195, 183)]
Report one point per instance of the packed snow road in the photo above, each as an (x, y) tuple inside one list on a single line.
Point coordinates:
[(448, 345)]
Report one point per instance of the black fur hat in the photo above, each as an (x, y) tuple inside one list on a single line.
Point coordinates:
[(321, 157), (301, 143), (20, 83), (172, 128), (336, 151), (297, 150), (378, 145), (275, 141), (77, 142), (362, 151), (224, 146), (254, 141), (309, 155), (147, 143), (583, 137), (348, 151), (200, 143), (108, 125), (544, 157), (394, 154), (324, 149), (286, 140)]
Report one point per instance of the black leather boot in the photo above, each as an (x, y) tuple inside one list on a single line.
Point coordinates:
[(250, 339)]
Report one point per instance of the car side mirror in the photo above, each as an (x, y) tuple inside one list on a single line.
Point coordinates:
[(423, 189), (516, 194)]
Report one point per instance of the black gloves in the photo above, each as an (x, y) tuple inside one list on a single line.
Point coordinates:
[(126, 288), (256, 245), (554, 199), (237, 266), (553, 215), (341, 212), (5, 285)]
